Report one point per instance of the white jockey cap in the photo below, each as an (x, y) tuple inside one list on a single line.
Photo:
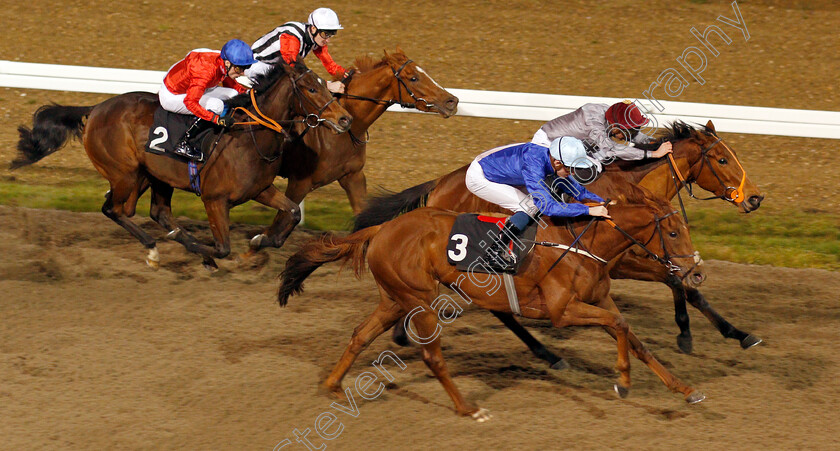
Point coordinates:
[(325, 19), (571, 152)]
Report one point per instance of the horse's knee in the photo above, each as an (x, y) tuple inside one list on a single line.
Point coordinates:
[(433, 360), (296, 215)]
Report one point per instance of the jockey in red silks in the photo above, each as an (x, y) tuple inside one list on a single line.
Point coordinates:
[(191, 86), (497, 174), (596, 124), (295, 40)]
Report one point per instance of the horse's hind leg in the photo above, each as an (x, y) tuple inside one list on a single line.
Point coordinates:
[(385, 315), (696, 299), (119, 206)]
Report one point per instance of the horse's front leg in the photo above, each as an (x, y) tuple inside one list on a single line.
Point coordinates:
[(287, 218), (684, 339), (696, 299), (537, 348), (355, 185)]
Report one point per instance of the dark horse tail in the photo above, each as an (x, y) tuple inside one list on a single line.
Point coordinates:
[(52, 127), (327, 248), (385, 208)]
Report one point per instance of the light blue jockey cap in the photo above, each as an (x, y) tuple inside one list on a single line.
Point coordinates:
[(571, 152)]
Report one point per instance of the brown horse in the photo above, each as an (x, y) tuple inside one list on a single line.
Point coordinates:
[(321, 157), (574, 293), (242, 167), (701, 157)]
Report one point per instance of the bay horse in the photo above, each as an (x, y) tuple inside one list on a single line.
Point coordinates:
[(242, 167), (574, 293), (700, 156), (321, 157)]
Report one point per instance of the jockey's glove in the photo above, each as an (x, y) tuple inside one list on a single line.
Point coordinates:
[(225, 121)]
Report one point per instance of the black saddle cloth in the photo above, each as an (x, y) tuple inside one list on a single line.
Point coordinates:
[(473, 234), (168, 129)]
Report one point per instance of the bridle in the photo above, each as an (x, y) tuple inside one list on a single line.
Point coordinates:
[(665, 260), (400, 86), (730, 193), (311, 120)]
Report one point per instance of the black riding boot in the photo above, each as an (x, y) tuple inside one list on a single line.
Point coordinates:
[(499, 252), (185, 148)]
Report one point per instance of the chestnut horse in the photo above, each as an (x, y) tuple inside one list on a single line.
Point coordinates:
[(701, 157), (574, 293), (321, 157), (242, 167)]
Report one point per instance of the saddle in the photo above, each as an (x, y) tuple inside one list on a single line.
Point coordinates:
[(473, 234), (168, 129)]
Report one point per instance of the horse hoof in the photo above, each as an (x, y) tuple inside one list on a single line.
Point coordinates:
[(153, 259), (210, 265), (622, 391), (560, 365), (695, 397), (685, 343), (750, 341), (481, 415), (174, 235)]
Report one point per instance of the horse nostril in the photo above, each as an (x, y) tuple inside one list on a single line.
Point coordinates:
[(755, 201), (452, 103), (345, 121)]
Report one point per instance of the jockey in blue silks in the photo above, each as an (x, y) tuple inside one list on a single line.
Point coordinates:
[(497, 175)]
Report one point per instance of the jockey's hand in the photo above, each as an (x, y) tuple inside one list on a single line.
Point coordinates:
[(600, 210), (225, 121), (335, 86), (664, 149)]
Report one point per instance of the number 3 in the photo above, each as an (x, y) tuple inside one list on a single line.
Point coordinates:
[(460, 247)]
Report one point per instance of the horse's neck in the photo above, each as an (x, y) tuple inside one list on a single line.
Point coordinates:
[(377, 84), (661, 181), (656, 177)]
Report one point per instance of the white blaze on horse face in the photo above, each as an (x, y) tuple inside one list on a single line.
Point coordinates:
[(420, 69)]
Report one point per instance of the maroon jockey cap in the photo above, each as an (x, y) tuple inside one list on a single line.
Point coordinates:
[(625, 114)]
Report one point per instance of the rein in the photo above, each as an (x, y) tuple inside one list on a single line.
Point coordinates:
[(665, 260), (399, 101)]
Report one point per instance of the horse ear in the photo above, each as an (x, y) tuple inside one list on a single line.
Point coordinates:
[(710, 126), (400, 50), (386, 54)]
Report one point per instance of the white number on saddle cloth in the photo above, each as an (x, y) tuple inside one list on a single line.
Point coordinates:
[(460, 252), (164, 135)]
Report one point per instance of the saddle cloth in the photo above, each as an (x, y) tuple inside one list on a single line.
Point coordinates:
[(168, 129), (473, 234)]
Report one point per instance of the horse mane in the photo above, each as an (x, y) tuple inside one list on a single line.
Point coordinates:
[(675, 131), (366, 63), (263, 82)]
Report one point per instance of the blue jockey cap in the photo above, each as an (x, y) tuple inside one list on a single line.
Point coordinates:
[(238, 53), (571, 152)]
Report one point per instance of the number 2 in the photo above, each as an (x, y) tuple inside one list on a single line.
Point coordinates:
[(164, 135)]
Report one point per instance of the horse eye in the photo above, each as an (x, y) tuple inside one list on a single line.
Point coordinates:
[(313, 90), (673, 234), (722, 161), (414, 79)]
